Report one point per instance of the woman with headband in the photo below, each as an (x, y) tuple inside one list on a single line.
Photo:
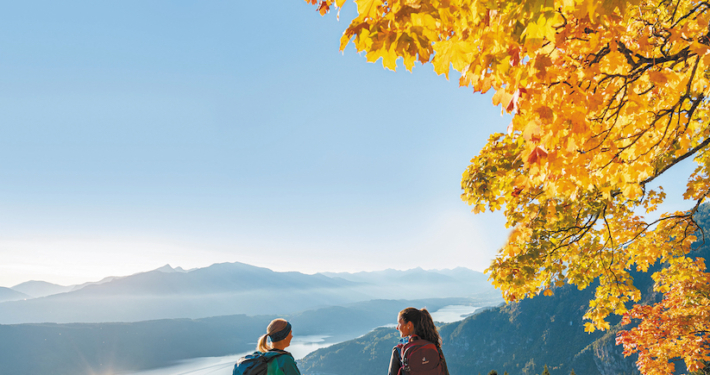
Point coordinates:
[(270, 352)]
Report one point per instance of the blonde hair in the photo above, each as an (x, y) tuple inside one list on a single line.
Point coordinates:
[(275, 326)]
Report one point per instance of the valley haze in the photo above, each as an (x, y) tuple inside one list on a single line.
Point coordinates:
[(225, 289)]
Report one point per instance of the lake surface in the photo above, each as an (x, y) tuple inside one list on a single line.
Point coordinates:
[(448, 314), (453, 313), (300, 347)]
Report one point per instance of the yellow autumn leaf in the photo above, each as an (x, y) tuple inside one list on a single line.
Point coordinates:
[(502, 97), (368, 8)]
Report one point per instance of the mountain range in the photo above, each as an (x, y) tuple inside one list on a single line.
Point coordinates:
[(226, 289), (35, 289), (443, 283)]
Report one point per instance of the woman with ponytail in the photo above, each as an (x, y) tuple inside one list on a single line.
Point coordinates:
[(271, 347), (416, 327)]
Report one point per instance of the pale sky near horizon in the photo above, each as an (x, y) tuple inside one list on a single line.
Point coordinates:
[(136, 134)]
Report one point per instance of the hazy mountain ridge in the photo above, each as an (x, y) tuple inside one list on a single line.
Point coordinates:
[(217, 278), (167, 268), (7, 294), (217, 290), (107, 348), (105, 280), (225, 289), (35, 289), (38, 288), (390, 275), (417, 282)]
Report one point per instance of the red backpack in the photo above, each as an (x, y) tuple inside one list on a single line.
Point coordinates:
[(419, 357)]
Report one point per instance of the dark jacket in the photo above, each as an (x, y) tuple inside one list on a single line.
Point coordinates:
[(396, 362)]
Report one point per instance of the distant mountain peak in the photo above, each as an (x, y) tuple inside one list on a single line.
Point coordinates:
[(166, 268), (34, 282), (36, 288), (169, 269)]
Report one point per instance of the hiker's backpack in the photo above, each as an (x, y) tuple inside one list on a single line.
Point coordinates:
[(420, 357), (254, 364)]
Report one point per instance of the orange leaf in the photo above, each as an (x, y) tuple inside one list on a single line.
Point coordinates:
[(537, 153), (323, 8), (513, 104), (657, 78)]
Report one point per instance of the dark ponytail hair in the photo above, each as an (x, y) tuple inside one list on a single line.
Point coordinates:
[(423, 324)]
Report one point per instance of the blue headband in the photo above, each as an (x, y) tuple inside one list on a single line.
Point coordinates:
[(282, 334)]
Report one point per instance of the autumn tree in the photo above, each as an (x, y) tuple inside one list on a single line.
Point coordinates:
[(606, 97), (545, 371)]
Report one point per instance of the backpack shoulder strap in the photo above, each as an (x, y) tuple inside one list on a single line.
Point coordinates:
[(279, 353)]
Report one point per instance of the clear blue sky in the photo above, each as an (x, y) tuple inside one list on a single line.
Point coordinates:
[(135, 134)]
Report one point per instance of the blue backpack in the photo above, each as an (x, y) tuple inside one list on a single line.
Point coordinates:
[(254, 364)]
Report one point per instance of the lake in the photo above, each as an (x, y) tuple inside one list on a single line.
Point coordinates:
[(300, 347), (453, 313)]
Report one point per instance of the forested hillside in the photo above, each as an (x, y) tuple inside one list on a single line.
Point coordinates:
[(518, 338)]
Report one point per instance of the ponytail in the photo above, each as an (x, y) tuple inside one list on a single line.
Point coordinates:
[(423, 324), (427, 330), (263, 346), (278, 329)]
